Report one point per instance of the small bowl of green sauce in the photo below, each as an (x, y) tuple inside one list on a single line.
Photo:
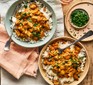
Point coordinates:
[(79, 18)]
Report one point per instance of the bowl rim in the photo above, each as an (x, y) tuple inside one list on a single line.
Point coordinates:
[(82, 27), (86, 68), (32, 45)]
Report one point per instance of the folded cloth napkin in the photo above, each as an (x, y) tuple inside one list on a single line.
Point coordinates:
[(18, 60)]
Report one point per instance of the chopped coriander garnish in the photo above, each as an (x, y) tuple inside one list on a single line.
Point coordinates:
[(32, 0), (24, 14), (81, 58), (25, 4), (29, 19), (79, 17), (35, 24), (36, 34), (21, 24)]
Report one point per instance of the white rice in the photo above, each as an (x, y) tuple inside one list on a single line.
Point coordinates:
[(82, 53), (45, 54), (62, 80), (63, 45), (72, 47)]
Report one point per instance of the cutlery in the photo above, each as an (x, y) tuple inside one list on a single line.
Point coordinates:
[(7, 45), (89, 33)]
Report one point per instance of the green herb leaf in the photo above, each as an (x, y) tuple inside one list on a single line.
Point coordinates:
[(29, 19), (36, 34), (25, 4), (35, 24)]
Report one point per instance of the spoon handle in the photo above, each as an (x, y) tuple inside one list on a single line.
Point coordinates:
[(89, 33), (7, 45)]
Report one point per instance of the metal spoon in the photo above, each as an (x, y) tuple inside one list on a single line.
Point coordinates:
[(89, 33), (7, 45)]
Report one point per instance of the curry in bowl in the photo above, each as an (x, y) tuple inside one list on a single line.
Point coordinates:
[(64, 68), (32, 21)]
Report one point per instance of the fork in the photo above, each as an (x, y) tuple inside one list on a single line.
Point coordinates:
[(89, 33)]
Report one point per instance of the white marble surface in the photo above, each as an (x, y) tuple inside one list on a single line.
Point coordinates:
[(4, 6), (6, 78)]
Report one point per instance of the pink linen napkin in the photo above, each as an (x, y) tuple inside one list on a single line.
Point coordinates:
[(18, 60)]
